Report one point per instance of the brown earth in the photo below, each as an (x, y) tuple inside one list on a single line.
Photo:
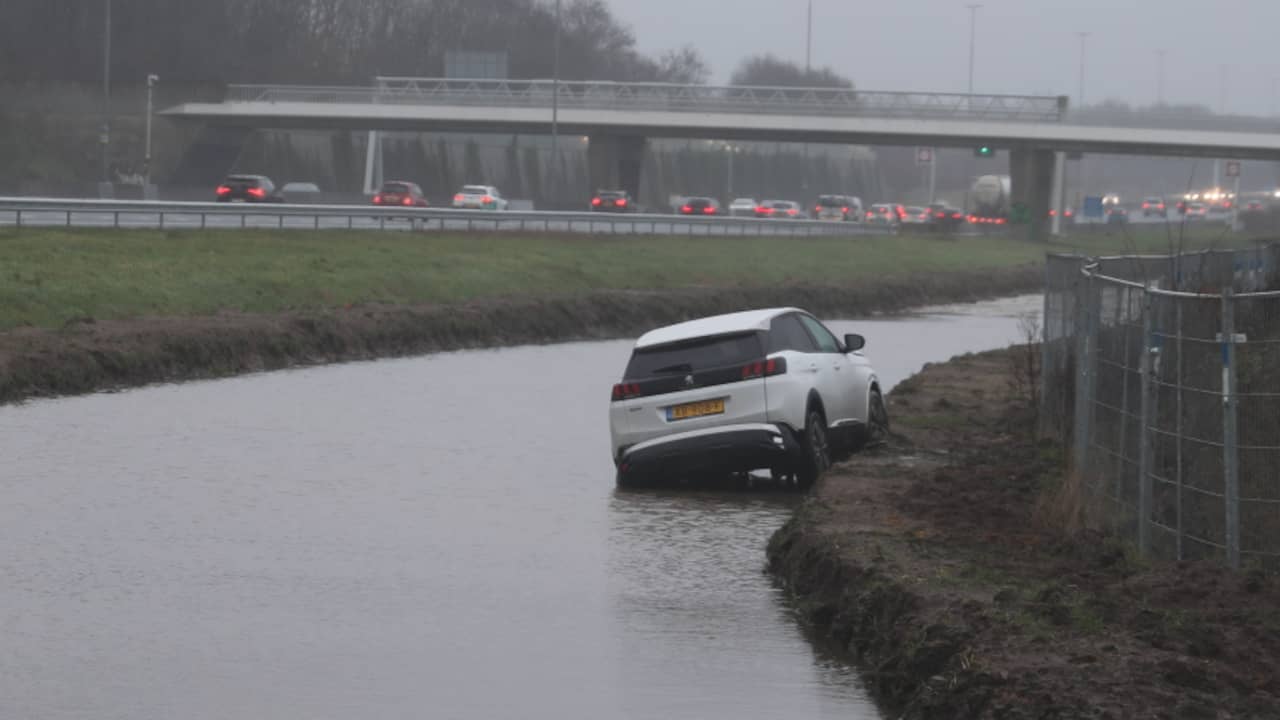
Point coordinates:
[(953, 566), (90, 355)]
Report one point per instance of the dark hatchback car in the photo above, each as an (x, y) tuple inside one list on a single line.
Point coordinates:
[(700, 206), (399, 192), (617, 201), (249, 189), (945, 218)]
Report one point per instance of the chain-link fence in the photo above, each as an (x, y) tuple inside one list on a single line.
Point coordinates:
[(1162, 374)]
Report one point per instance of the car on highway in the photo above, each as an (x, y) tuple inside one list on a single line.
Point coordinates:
[(944, 217), (479, 197), (400, 192), (700, 206), (615, 201), (915, 215), (1154, 207), (885, 214), (770, 389), (1254, 206), (1117, 215), (779, 210), (838, 207), (248, 189), (1196, 211), (742, 207), (302, 193)]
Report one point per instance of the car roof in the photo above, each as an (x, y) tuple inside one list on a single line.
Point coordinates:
[(746, 321)]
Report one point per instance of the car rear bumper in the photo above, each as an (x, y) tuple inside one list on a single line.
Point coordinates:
[(725, 449)]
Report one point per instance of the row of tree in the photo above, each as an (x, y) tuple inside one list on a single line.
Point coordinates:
[(194, 42)]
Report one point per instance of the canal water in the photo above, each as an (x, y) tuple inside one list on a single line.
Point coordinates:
[(435, 537)]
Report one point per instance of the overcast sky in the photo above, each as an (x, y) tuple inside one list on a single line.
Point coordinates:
[(1023, 46)]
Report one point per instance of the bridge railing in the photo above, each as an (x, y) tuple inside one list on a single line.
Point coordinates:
[(823, 102)]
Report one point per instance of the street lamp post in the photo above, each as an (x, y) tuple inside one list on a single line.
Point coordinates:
[(555, 104), (1160, 77), (105, 138), (146, 161), (973, 34), (808, 42), (1080, 94)]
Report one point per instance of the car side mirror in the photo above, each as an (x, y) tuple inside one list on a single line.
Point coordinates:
[(854, 342)]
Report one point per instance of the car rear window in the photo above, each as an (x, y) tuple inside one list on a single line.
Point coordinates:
[(241, 180), (612, 195), (475, 189), (394, 187), (694, 355), (831, 201), (782, 206)]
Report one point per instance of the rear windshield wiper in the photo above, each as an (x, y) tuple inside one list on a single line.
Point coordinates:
[(678, 367)]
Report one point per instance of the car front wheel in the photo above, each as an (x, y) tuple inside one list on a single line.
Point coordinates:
[(876, 431)]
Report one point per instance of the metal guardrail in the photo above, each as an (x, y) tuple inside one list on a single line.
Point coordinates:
[(824, 102), (32, 212)]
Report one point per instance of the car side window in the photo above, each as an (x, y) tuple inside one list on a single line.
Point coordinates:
[(786, 333), (826, 341)]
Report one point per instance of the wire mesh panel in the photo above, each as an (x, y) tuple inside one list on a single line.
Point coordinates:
[(1172, 367)]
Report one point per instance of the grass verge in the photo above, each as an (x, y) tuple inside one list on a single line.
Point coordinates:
[(49, 277)]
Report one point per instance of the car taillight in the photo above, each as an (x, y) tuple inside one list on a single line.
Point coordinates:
[(956, 216), (1146, 206), (870, 214), (595, 202), (817, 208), (763, 210), (686, 209), (625, 391), (408, 201), (486, 199), (224, 190), (791, 211), (999, 221), (257, 192), (708, 211), (377, 199), (844, 210), (458, 197), (764, 368), (620, 202)]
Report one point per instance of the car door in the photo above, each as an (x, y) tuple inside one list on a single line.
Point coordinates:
[(835, 374)]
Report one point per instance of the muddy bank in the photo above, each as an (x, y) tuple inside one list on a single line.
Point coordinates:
[(956, 567), (93, 355)]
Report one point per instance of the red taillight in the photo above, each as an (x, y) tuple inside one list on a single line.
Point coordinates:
[(458, 198), (956, 216), (817, 208), (620, 202), (408, 201), (764, 211), (486, 199), (844, 210), (791, 211), (999, 221), (224, 190), (708, 211), (595, 202), (257, 192), (870, 214), (764, 368), (625, 391), (377, 199), (686, 209)]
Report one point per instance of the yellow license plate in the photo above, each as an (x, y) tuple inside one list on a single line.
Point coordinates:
[(697, 409)]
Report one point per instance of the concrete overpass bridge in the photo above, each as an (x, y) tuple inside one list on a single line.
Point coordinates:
[(619, 118)]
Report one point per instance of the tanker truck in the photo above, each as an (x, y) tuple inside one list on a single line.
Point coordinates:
[(989, 199)]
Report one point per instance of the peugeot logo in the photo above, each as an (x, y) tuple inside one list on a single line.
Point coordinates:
[(688, 381)]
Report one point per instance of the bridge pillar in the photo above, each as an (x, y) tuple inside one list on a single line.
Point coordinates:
[(1031, 186), (614, 163)]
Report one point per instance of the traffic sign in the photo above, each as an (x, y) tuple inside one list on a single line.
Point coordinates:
[(1233, 168), (924, 156)]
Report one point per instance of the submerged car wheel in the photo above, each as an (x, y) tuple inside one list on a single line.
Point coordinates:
[(817, 453)]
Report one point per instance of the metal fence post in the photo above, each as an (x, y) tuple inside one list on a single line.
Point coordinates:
[(1178, 427), (1230, 457), (1144, 433), (1085, 328)]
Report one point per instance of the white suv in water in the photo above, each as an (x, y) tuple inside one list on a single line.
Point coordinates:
[(765, 389)]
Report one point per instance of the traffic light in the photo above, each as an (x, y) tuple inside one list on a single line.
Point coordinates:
[(984, 151)]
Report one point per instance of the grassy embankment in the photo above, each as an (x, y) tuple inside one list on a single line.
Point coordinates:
[(51, 277)]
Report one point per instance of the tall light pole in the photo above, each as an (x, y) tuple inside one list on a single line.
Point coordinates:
[(973, 35), (808, 42), (1080, 95), (146, 162), (1160, 77), (105, 138), (555, 102)]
